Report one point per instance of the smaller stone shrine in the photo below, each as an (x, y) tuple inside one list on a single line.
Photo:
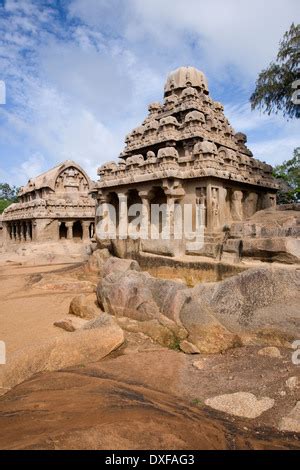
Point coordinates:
[(54, 206)]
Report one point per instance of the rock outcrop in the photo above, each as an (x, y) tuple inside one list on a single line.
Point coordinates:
[(60, 352), (241, 404), (209, 318), (291, 422), (97, 260), (82, 306), (258, 299), (269, 235)]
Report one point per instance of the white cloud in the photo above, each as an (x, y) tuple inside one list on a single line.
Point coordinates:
[(245, 120), (275, 150), (19, 175), (31, 167), (241, 34)]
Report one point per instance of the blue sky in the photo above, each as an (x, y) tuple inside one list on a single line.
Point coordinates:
[(79, 74)]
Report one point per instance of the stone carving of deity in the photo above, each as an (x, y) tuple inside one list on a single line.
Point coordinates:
[(201, 199), (214, 207), (250, 205), (236, 205)]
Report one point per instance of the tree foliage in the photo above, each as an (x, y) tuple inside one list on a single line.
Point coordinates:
[(8, 195), (288, 175), (274, 86)]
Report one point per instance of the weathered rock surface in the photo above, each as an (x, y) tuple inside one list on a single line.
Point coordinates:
[(152, 328), (65, 324), (97, 260), (259, 298), (291, 422), (241, 404), (163, 310), (270, 351), (259, 305), (102, 320), (141, 400), (188, 347), (84, 307), (119, 265), (270, 235), (281, 250), (63, 351), (205, 331), (127, 295), (199, 364), (293, 383), (71, 324)]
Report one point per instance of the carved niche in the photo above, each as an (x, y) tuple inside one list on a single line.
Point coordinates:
[(71, 180)]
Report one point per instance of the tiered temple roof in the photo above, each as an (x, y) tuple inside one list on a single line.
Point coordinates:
[(60, 191), (186, 136)]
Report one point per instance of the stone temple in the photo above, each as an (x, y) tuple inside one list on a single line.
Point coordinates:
[(54, 206), (186, 152)]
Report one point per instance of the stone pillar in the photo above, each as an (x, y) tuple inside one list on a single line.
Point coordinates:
[(209, 208), (123, 216), (101, 199), (28, 230), (34, 228), (103, 221), (18, 231), (170, 216), (23, 235), (144, 195), (69, 226), (6, 232), (85, 230)]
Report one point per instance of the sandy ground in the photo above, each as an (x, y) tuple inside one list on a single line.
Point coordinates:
[(24, 311), (27, 312), (141, 396)]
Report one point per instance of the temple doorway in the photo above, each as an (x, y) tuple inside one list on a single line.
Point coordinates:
[(63, 230), (77, 230)]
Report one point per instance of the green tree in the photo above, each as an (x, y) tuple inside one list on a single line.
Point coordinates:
[(274, 86), (8, 195), (288, 175)]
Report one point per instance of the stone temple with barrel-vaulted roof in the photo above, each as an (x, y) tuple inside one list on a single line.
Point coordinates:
[(186, 151), (54, 206)]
